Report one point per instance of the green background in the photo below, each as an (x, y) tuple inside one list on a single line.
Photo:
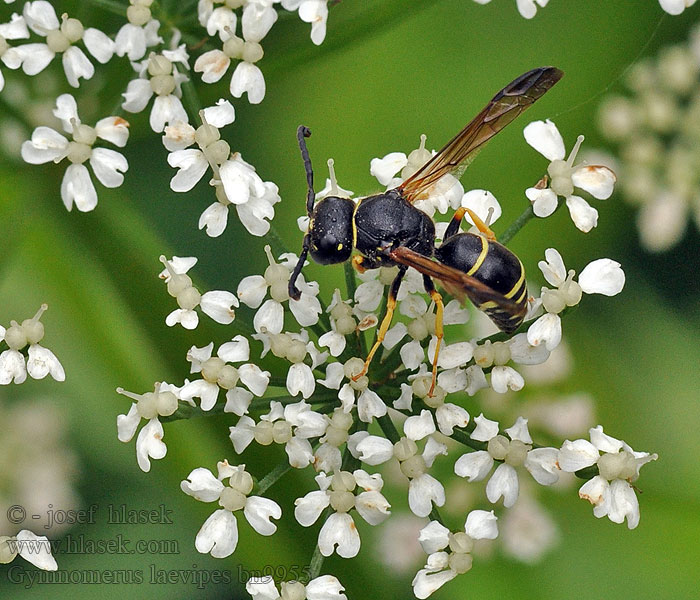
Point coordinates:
[(387, 72)]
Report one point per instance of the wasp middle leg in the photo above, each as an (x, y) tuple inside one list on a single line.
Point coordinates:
[(439, 332), (386, 321)]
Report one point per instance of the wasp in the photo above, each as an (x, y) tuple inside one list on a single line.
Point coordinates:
[(388, 230)]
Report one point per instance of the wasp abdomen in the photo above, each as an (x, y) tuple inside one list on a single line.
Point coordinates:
[(494, 265)]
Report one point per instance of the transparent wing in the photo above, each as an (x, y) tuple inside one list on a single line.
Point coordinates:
[(458, 283), (458, 153)]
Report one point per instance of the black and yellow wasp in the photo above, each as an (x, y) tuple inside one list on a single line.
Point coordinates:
[(387, 230)]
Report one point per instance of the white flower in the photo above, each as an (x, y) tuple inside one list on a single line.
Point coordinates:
[(140, 33), (217, 304), (675, 7), (449, 554), (314, 12), (218, 374), (602, 276), (48, 145), (40, 362), (339, 533), (597, 180), (610, 491), (513, 452), (16, 29), (219, 534), (158, 75), (269, 319), (247, 77), (41, 18), (242, 187), (161, 402), (33, 548)]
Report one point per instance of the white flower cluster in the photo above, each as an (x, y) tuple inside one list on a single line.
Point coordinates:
[(655, 129), (329, 400), (160, 76)]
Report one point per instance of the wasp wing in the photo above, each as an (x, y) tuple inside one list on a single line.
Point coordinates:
[(456, 282), (458, 153)]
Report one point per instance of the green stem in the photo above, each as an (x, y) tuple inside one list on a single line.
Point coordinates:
[(273, 476), (435, 516), (516, 226), (316, 560), (389, 428), (116, 8)]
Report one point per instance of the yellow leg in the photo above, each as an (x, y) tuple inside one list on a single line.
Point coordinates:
[(386, 321), (383, 328), (481, 226), (439, 333), (357, 261)]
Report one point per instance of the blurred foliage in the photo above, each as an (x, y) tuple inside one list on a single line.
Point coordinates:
[(387, 72)]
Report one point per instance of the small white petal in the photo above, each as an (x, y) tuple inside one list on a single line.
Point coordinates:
[(34, 57), (309, 508), (546, 330), (219, 535), (385, 168), (258, 511), (206, 391), (374, 450), (254, 378), (419, 426), (213, 65), (306, 310), (577, 455), (138, 93), (434, 537), (339, 530), (108, 166), (214, 219), (503, 482), (257, 20), (238, 401), (77, 187), (36, 549), (218, 305), (449, 416), (202, 485), (519, 431), (584, 216), (543, 466), (12, 367), (76, 65), (45, 146), (602, 276), (522, 353), (166, 110), (98, 44), (481, 201), (423, 491), (481, 525), (623, 504), (553, 269), (412, 355), (42, 361), (325, 587), (425, 583), (114, 130), (191, 164), (544, 202), (248, 78), (485, 429), (544, 137), (372, 507), (300, 379), (149, 444), (504, 378), (269, 318), (597, 180), (475, 466), (221, 114), (128, 423)]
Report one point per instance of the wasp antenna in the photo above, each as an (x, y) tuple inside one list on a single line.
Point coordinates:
[(304, 132)]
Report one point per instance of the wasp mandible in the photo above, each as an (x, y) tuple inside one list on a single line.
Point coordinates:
[(387, 230)]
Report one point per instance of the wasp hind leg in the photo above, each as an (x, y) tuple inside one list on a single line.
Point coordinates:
[(439, 332), (386, 321), (481, 225)]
